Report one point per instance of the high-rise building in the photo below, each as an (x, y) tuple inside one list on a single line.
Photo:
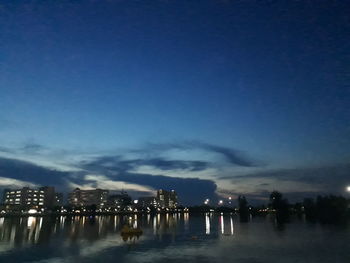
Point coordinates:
[(96, 197), (172, 199), (167, 199), (43, 197), (149, 201)]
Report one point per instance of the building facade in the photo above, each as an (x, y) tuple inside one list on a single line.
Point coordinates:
[(148, 201), (80, 198), (28, 197), (167, 199), (119, 200)]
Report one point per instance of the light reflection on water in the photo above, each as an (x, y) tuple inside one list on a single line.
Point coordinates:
[(169, 237)]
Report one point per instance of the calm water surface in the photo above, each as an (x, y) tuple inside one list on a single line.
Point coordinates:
[(170, 238)]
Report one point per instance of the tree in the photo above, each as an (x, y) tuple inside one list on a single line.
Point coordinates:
[(280, 205), (243, 208)]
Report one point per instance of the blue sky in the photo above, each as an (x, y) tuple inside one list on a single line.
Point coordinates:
[(245, 88)]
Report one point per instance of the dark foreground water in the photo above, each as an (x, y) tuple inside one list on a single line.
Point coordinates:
[(170, 238)]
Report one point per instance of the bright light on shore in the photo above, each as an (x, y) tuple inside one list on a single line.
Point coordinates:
[(348, 188), (32, 211)]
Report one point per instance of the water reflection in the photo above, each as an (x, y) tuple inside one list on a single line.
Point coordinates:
[(222, 224), (207, 224), (89, 236), (32, 230)]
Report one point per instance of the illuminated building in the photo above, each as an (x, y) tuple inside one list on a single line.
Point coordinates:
[(119, 200), (43, 197), (96, 197), (58, 199), (167, 199), (148, 201)]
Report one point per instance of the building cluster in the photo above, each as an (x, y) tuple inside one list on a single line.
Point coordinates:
[(47, 199), (19, 199)]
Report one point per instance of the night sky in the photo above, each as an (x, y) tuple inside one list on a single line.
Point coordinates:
[(210, 98)]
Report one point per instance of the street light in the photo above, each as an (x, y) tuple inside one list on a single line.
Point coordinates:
[(348, 188), (220, 202)]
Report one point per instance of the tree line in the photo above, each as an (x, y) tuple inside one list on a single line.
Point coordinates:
[(324, 209)]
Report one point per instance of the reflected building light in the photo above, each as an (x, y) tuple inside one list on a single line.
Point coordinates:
[(30, 221), (222, 224), (186, 219), (115, 222), (37, 230), (154, 225), (207, 224), (62, 219), (231, 223), (12, 234), (135, 221), (31, 227), (148, 219), (2, 221)]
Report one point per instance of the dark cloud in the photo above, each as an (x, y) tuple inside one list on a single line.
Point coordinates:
[(118, 164), (32, 147), (25, 171), (6, 150), (190, 190), (231, 155), (331, 178)]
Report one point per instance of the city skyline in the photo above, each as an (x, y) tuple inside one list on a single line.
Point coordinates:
[(216, 99)]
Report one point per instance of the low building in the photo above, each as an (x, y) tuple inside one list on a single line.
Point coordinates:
[(81, 198), (119, 200), (28, 197)]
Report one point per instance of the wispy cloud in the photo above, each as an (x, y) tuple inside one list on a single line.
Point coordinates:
[(231, 155), (13, 183)]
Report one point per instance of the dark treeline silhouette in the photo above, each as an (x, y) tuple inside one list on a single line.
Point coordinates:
[(323, 209), (243, 209), (326, 209), (280, 206)]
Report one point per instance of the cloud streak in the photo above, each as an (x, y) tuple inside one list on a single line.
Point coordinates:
[(232, 156)]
